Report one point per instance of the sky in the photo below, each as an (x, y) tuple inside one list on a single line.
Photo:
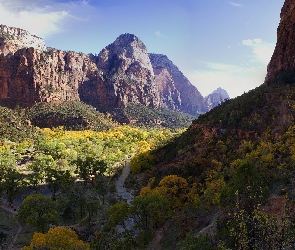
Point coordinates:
[(215, 43)]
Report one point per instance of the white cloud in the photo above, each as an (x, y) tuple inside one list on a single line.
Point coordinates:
[(235, 4), (262, 51), (36, 17), (236, 79)]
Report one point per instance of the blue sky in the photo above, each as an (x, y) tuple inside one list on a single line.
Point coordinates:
[(215, 43)]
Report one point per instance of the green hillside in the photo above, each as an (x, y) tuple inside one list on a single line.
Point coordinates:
[(238, 159), (72, 115), (15, 124), (144, 116)]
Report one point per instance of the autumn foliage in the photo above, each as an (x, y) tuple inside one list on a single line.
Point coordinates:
[(57, 238)]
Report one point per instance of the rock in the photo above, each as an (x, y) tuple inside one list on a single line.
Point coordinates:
[(13, 39), (122, 73), (216, 97), (176, 92), (127, 75), (282, 64)]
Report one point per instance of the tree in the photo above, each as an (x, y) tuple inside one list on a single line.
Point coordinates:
[(57, 238), (92, 206), (149, 211), (119, 215), (7, 161), (192, 242), (38, 211), (13, 181), (175, 189), (39, 165), (56, 179), (249, 185), (89, 166), (260, 230)]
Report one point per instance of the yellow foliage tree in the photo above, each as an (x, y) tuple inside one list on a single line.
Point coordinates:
[(175, 189), (57, 238)]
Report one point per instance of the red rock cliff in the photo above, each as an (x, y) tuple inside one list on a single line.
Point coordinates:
[(122, 72), (282, 65)]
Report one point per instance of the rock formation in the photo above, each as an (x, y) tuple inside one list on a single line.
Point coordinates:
[(127, 76), (176, 92), (29, 76), (282, 65), (123, 72), (215, 98), (13, 39)]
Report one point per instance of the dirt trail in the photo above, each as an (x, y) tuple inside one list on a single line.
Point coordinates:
[(121, 190)]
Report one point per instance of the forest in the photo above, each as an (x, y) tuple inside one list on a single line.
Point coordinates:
[(225, 182), (63, 178)]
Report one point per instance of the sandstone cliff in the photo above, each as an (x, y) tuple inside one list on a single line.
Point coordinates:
[(282, 65), (122, 73), (13, 39), (29, 76)]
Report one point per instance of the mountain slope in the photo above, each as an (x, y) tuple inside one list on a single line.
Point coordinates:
[(176, 92), (242, 149)]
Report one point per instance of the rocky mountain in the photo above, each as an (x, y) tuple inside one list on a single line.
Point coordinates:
[(122, 73), (216, 97), (282, 64), (125, 75), (176, 92)]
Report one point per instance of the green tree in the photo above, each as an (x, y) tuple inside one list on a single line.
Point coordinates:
[(192, 242), (149, 212), (13, 182), (249, 184), (89, 167), (7, 161), (38, 167), (259, 230), (38, 211), (56, 179), (119, 215)]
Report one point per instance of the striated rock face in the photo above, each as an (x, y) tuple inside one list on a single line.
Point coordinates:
[(216, 97), (127, 76), (30, 73), (13, 39), (282, 65), (29, 76), (176, 92)]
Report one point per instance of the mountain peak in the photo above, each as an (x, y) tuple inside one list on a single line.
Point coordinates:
[(216, 97), (129, 40), (127, 37), (221, 91), (124, 51)]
